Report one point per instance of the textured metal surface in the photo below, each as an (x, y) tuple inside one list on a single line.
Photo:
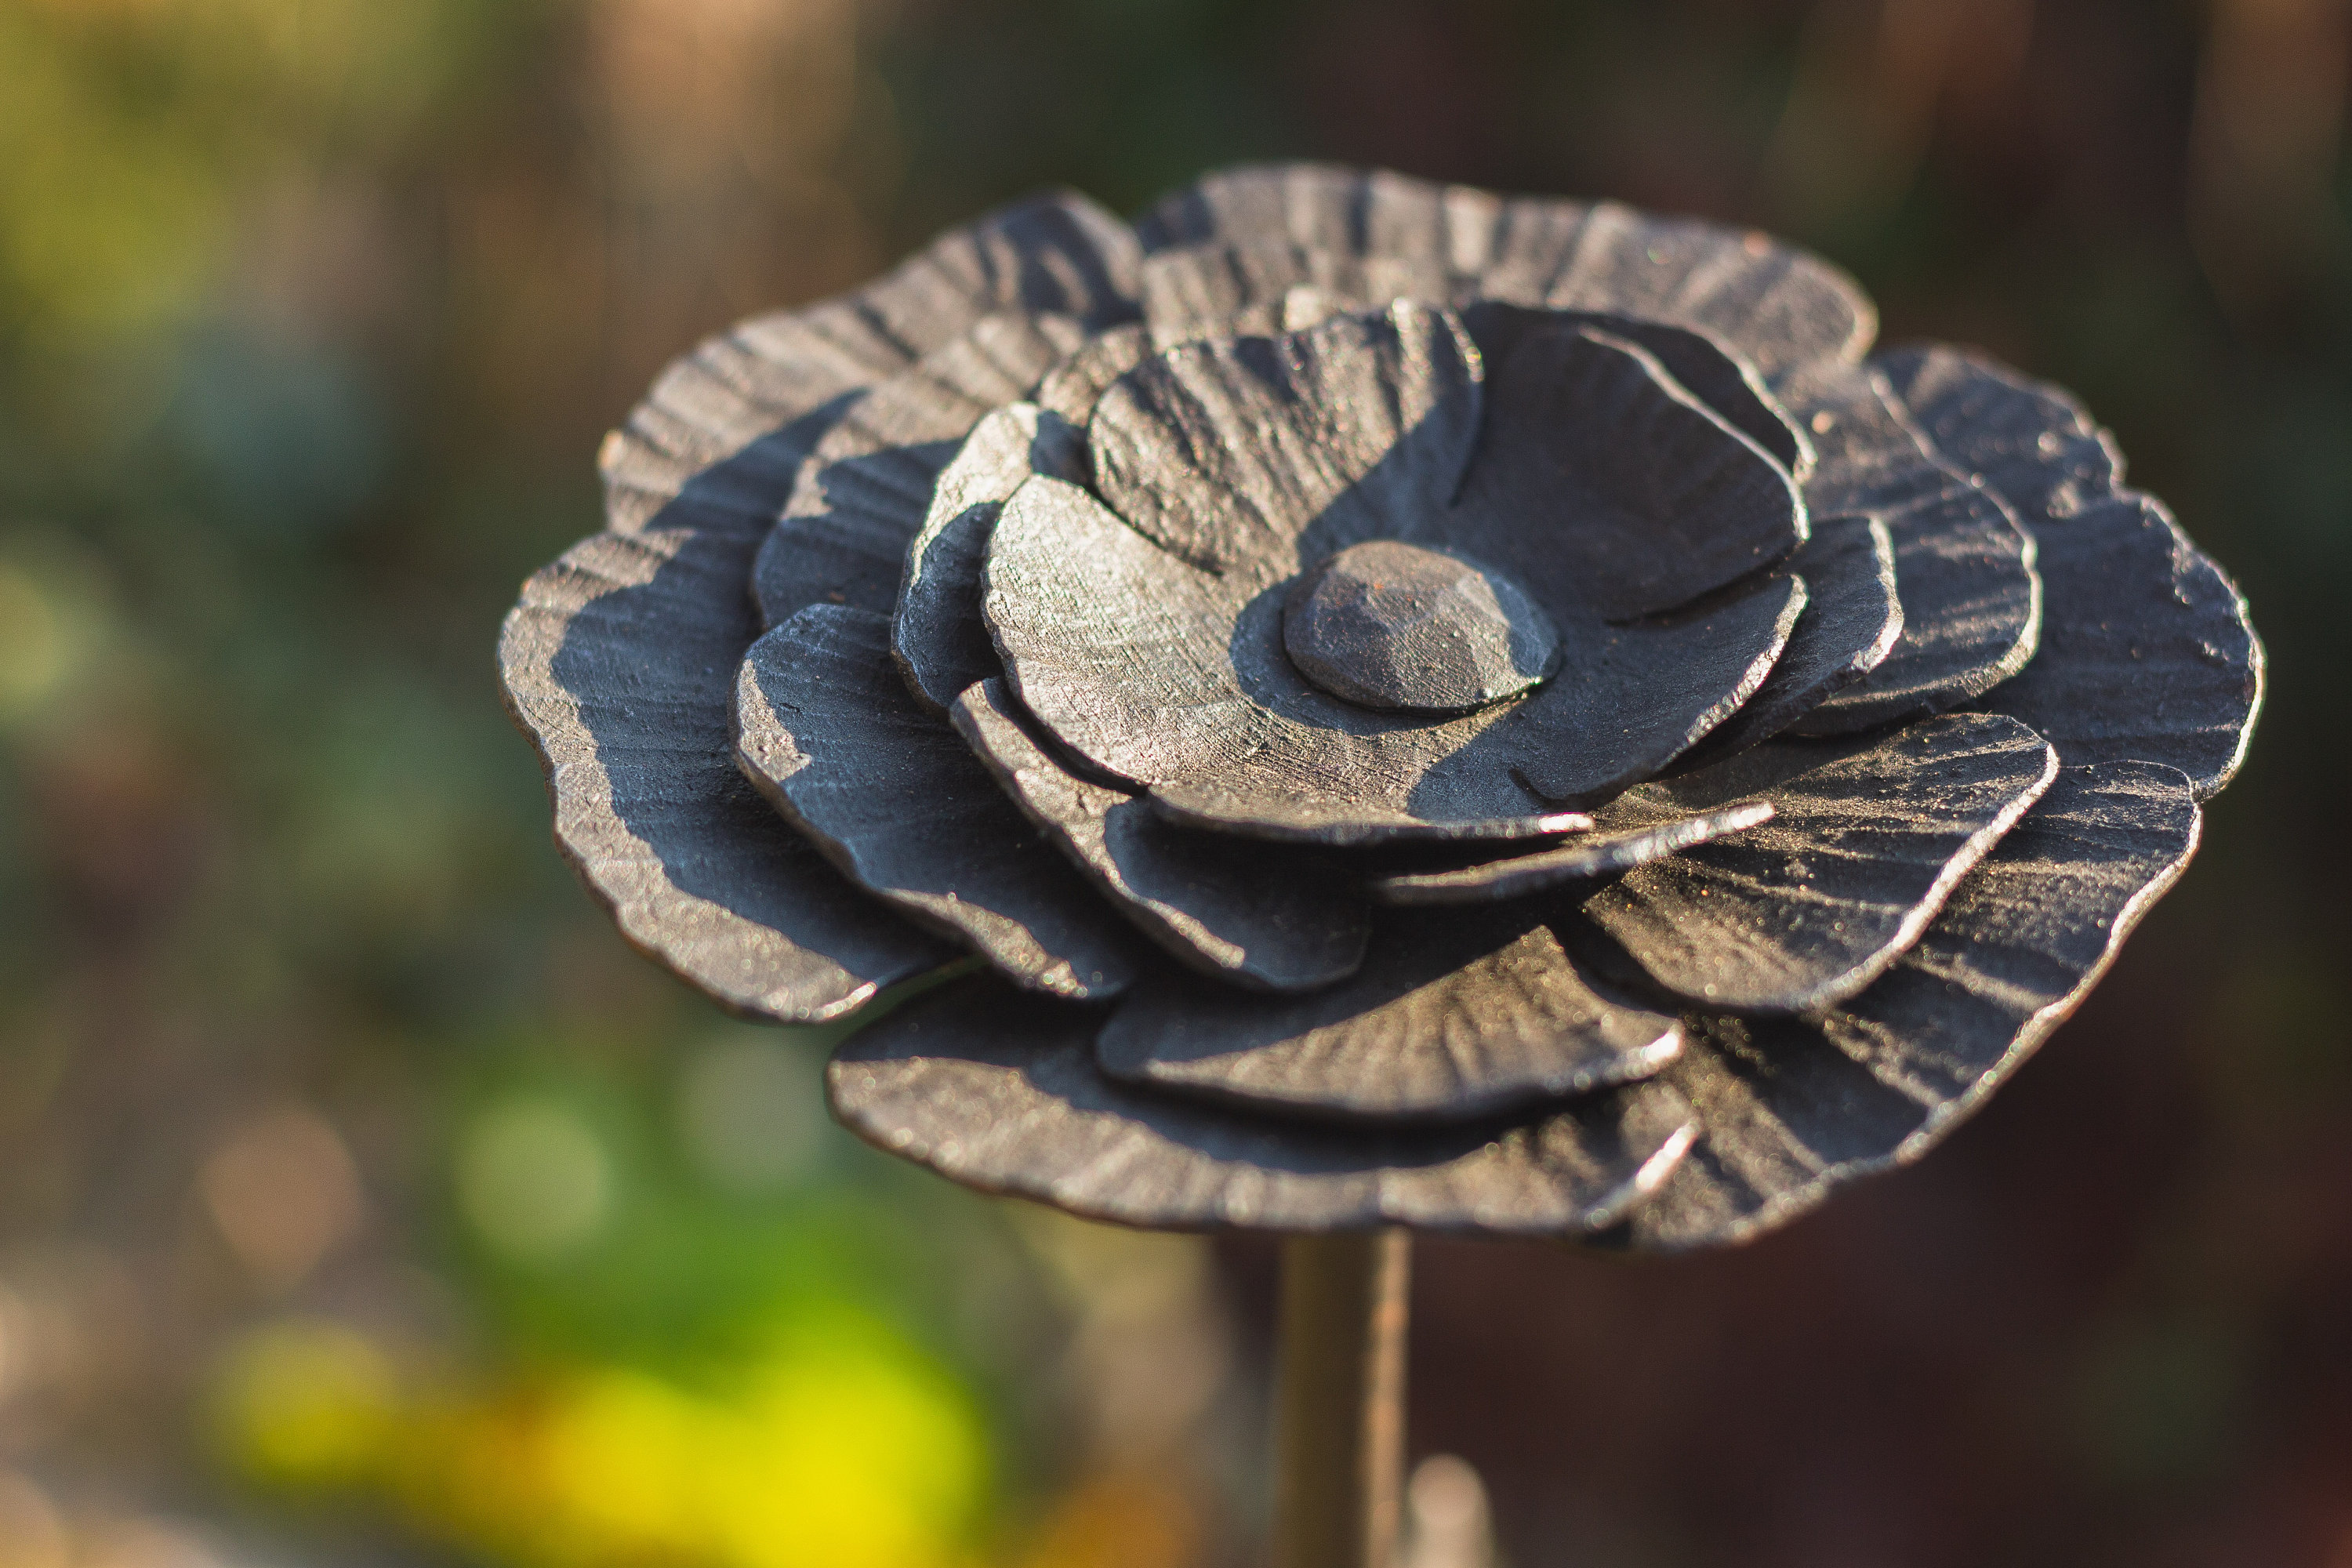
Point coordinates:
[(1863, 846), (610, 664), (998, 1090), (2029, 441), (863, 494), (1251, 913), (1853, 617), (1646, 497), (1794, 1109), (618, 661), (1607, 849), (2147, 652), (1963, 567), (1170, 678), (1776, 306), (826, 731), (1390, 625), (1454, 1016), (1252, 457), (1109, 591), (1698, 360), (936, 632)]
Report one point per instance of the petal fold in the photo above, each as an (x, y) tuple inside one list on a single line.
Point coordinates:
[(1964, 569), (831, 736), (2148, 649), (1795, 1109), (1247, 913), (1863, 846)]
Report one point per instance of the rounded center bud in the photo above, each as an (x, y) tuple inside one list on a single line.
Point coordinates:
[(1390, 625)]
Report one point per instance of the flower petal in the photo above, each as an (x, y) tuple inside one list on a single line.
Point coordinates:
[(1200, 291), (1776, 306), (1248, 914), (1853, 617), (1454, 1017), (2149, 656), (936, 632), (1644, 497), (1795, 1109), (606, 663), (1227, 452), (1073, 387), (1963, 567), (863, 494), (2147, 649), (617, 659), (999, 1090), (1174, 678), (829, 733), (1607, 850), (1863, 849), (2029, 441), (1234, 290), (1056, 252)]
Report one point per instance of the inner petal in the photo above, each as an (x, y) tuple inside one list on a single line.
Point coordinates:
[(1393, 625)]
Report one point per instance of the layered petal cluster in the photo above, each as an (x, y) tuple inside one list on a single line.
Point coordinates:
[(1386, 704)]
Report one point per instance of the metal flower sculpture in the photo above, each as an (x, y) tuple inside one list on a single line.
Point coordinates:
[(1431, 710)]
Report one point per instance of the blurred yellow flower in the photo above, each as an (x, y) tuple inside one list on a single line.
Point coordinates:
[(843, 1446)]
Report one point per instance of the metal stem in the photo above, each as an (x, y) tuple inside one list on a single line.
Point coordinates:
[(1339, 1400)]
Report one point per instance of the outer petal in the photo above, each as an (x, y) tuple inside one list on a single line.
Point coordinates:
[(1057, 252), (862, 495), (826, 731), (999, 1090), (618, 661), (608, 665), (1963, 567), (2147, 651), (1254, 915), (1453, 1018), (1794, 1110), (2029, 440), (1863, 849), (1778, 307), (1232, 290)]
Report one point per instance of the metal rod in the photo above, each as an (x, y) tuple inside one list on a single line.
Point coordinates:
[(1339, 1400)]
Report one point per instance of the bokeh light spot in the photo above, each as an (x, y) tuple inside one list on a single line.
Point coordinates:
[(306, 1406), (748, 1114), (533, 1179)]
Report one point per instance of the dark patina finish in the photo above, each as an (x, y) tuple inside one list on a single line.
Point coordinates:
[(1174, 616)]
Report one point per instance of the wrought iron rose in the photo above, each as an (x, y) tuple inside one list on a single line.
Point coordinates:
[(1429, 709)]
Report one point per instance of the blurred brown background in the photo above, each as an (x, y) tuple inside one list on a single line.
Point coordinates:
[(364, 1202)]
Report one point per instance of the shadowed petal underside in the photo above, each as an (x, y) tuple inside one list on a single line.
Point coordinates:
[(998, 1090)]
